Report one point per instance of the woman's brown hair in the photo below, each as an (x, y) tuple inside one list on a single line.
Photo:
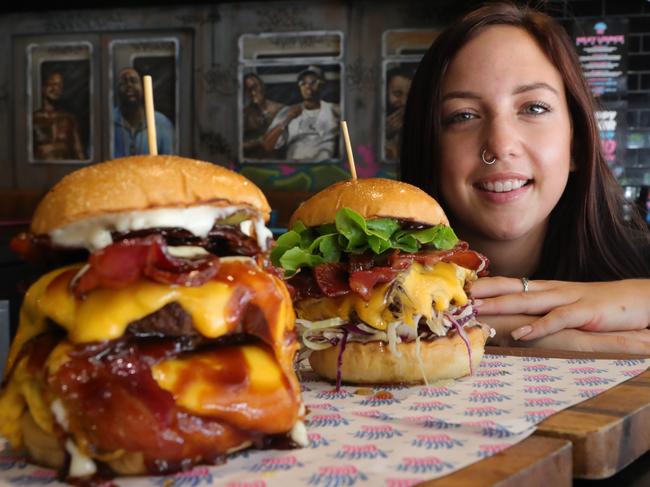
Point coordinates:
[(588, 237)]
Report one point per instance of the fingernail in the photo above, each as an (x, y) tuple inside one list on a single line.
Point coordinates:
[(521, 332), (478, 302)]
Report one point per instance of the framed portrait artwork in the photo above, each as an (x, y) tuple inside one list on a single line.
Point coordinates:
[(59, 109), (131, 60), (402, 51), (290, 97), (397, 82)]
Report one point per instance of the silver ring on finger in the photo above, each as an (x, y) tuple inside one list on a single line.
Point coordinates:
[(524, 283)]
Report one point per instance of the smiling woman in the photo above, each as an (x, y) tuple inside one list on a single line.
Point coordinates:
[(500, 128), (513, 108)]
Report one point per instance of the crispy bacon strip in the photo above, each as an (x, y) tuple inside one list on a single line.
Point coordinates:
[(222, 240), (114, 403), (362, 282), (124, 262), (460, 255), (470, 260), (363, 262), (363, 272), (336, 279), (332, 279), (303, 285)]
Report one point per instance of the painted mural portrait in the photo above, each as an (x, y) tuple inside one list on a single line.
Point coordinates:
[(59, 104), (398, 83), (56, 131), (307, 130), (291, 113), (259, 112), (132, 60), (130, 128)]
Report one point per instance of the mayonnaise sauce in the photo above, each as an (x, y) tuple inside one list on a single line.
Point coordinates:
[(95, 233)]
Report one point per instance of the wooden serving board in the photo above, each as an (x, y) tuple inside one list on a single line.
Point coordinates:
[(537, 461), (608, 431)]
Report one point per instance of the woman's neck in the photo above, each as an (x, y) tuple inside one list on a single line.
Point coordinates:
[(510, 258)]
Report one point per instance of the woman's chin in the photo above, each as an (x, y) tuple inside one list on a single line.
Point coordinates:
[(506, 231)]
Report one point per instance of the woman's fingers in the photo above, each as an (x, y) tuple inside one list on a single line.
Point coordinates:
[(532, 302), (504, 325), (632, 341), (489, 287), (571, 316), (592, 307)]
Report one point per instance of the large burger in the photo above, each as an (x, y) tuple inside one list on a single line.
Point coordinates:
[(380, 285), (171, 343)]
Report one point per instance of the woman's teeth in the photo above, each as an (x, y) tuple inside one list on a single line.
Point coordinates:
[(503, 186)]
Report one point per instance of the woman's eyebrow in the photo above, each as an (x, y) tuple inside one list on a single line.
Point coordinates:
[(534, 86), (461, 94), (519, 89)]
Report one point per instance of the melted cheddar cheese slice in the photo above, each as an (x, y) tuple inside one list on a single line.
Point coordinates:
[(417, 291), (243, 385), (106, 313)]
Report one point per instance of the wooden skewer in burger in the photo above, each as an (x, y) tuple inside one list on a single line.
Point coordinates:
[(380, 285), (169, 341)]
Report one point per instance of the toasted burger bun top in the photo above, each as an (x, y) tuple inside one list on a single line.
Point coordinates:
[(371, 198), (142, 183)]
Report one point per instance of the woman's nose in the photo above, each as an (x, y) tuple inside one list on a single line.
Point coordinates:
[(501, 138)]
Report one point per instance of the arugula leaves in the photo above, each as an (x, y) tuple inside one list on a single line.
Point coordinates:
[(351, 233)]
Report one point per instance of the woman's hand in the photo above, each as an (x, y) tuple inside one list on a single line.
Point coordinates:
[(590, 306), (632, 342)]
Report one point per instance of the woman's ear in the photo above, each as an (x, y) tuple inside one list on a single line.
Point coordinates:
[(572, 165)]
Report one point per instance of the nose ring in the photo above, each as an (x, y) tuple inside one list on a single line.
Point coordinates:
[(489, 162)]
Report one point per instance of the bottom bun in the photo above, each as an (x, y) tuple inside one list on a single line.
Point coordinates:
[(44, 449), (373, 363)]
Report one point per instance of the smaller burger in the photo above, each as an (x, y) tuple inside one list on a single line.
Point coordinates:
[(380, 285), (168, 342)]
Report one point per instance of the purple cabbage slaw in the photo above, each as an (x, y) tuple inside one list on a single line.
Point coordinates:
[(339, 360), (458, 319)]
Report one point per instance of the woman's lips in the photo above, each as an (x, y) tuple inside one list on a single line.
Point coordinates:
[(503, 189)]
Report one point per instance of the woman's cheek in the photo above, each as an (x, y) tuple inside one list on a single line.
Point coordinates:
[(551, 144)]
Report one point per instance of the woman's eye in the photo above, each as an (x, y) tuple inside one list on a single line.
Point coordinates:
[(537, 108), (459, 117)]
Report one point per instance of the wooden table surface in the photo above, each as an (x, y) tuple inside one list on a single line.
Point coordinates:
[(608, 431), (594, 439), (535, 462)]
